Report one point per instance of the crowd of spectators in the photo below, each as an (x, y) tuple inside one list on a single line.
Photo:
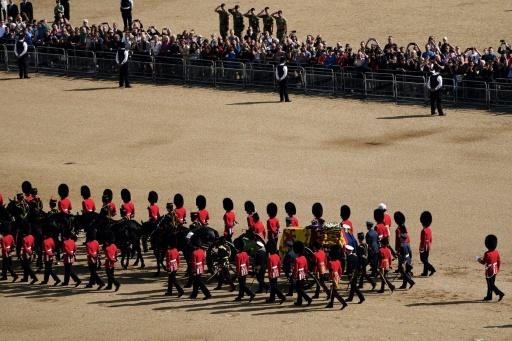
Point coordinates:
[(370, 55)]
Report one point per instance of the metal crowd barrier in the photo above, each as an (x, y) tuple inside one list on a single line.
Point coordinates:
[(348, 81)]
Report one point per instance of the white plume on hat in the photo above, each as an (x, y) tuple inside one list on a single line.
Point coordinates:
[(346, 226), (383, 206), (349, 247)]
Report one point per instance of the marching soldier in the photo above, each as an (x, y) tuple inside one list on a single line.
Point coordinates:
[(108, 209), (385, 259), (281, 25), (223, 20), (372, 240), (282, 78), (93, 253), (204, 216), (492, 262), (172, 262), (180, 211), (254, 22), (127, 207), (291, 218), (238, 21), (110, 261), (320, 270), (268, 20), (64, 204), (274, 271), (250, 210), (229, 218), (404, 251), (8, 246), (272, 222), (426, 243), (336, 271), (362, 255), (48, 257), (27, 252), (345, 215), (242, 270), (198, 261), (258, 227), (434, 86), (300, 273), (69, 248), (88, 205), (353, 274), (260, 260), (122, 56), (21, 53)]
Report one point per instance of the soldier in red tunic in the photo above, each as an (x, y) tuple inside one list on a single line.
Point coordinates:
[(204, 216), (318, 211), (492, 262), (291, 218), (380, 228), (27, 252), (153, 215), (258, 226), (345, 215), (181, 212), (250, 210), (274, 271), (336, 271), (242, 270), (48, 258), (109, 209), (426, 243), (110, 261), (69, 248), (127, 206), (321, 273), (8, 247), (229, 218), (88, 205), (92, 248), (273, 225), (385, 259), (64, 204), (300, 273), (172, 262), (198, 262)]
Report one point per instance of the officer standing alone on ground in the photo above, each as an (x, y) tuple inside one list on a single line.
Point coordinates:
[(122, 62), (282, 78), (21, 52), (434, 85)]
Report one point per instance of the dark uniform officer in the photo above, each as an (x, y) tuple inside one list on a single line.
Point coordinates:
[(282, 78), (434, 85), (65, 3), (122, 61), (353, 274), (238, 21), (223, 20), (254, 22), (268, 21), (281, 25), (26, 7), (21, 52), (126, 13)]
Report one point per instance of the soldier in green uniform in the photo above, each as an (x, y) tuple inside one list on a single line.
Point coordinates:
[(268, 21), (281, 25), (254, 22), (223, 20), (238, 21)]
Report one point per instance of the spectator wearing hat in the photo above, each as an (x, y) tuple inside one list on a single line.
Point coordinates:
[(434, 86), (126, 13), (274, 271), (122, 56), (21, 52), (491, 261), (282, 79)]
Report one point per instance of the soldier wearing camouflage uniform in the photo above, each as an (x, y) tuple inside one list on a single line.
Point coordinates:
[(268, 21), (223, 20), (254, 21), (238, 21), (281, 25)]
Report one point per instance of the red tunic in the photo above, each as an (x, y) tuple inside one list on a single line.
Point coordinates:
[(382, 231), (181, 214), (250, 222), (274, 266), (1, 199), (300, 269), (28, 246), (293, 221), (387, 220), (349, 223), (88, 205), (7, 245), (426, 239), (242, 264), (229, 223), (258, 228), (64, 206), (198, 260), (112, 210), (336, 270), (172, 259), (154, 212), (110, 256), (385, 258), (320, 262), (273, 227), (48, 249), (92, 248), (204, 216), (29, 198), (69, 247), (128, 209), (492, 263)]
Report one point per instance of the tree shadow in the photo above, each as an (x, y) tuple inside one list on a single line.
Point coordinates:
[(403, 117), (441, 303)]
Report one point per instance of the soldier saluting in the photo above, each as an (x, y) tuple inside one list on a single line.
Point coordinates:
[(223, 20), (238, 21), (122, 62), (268, 20), (254, 22), (281, 25), (21, 52)]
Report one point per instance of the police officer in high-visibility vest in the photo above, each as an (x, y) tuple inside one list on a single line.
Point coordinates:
[(21, 52), (282, 79), (434, 85), (122, 62)]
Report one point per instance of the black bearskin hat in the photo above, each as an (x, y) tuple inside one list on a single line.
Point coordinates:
[(108, 195), (335, 252), (256, 217), (271, 247), (227, 204), (63, 190), (249, 207), (85, 192), (239, 244), (152, 197), (344, 212), (491, 242), (126, 196), (378, 215), (317, 210), (298, 247), (272, 210), (26, 187), (201, 202), (426, 218), (178, 200), (399, 218), (290, 208)]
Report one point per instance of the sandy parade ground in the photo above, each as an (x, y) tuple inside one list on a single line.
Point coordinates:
[(245, 145)]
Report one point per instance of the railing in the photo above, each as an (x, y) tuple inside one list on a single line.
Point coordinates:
[(335, 81)]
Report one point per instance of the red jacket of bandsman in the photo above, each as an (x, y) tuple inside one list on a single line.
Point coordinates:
[(320, 262), (64, 206), (181, 214), (300, 269), (48, 249), (128, 209), (154, 212), (8, 245), (198, 260), (204, 216), (172, 259), (274, 266), (88, 206), (229, 222), (385, 258), (69, 247), (93, 249), (242, 263), (492, 263), (259, 229), (273, 227), (336, 270), (110, 256), (426, 239), (28, 246)]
